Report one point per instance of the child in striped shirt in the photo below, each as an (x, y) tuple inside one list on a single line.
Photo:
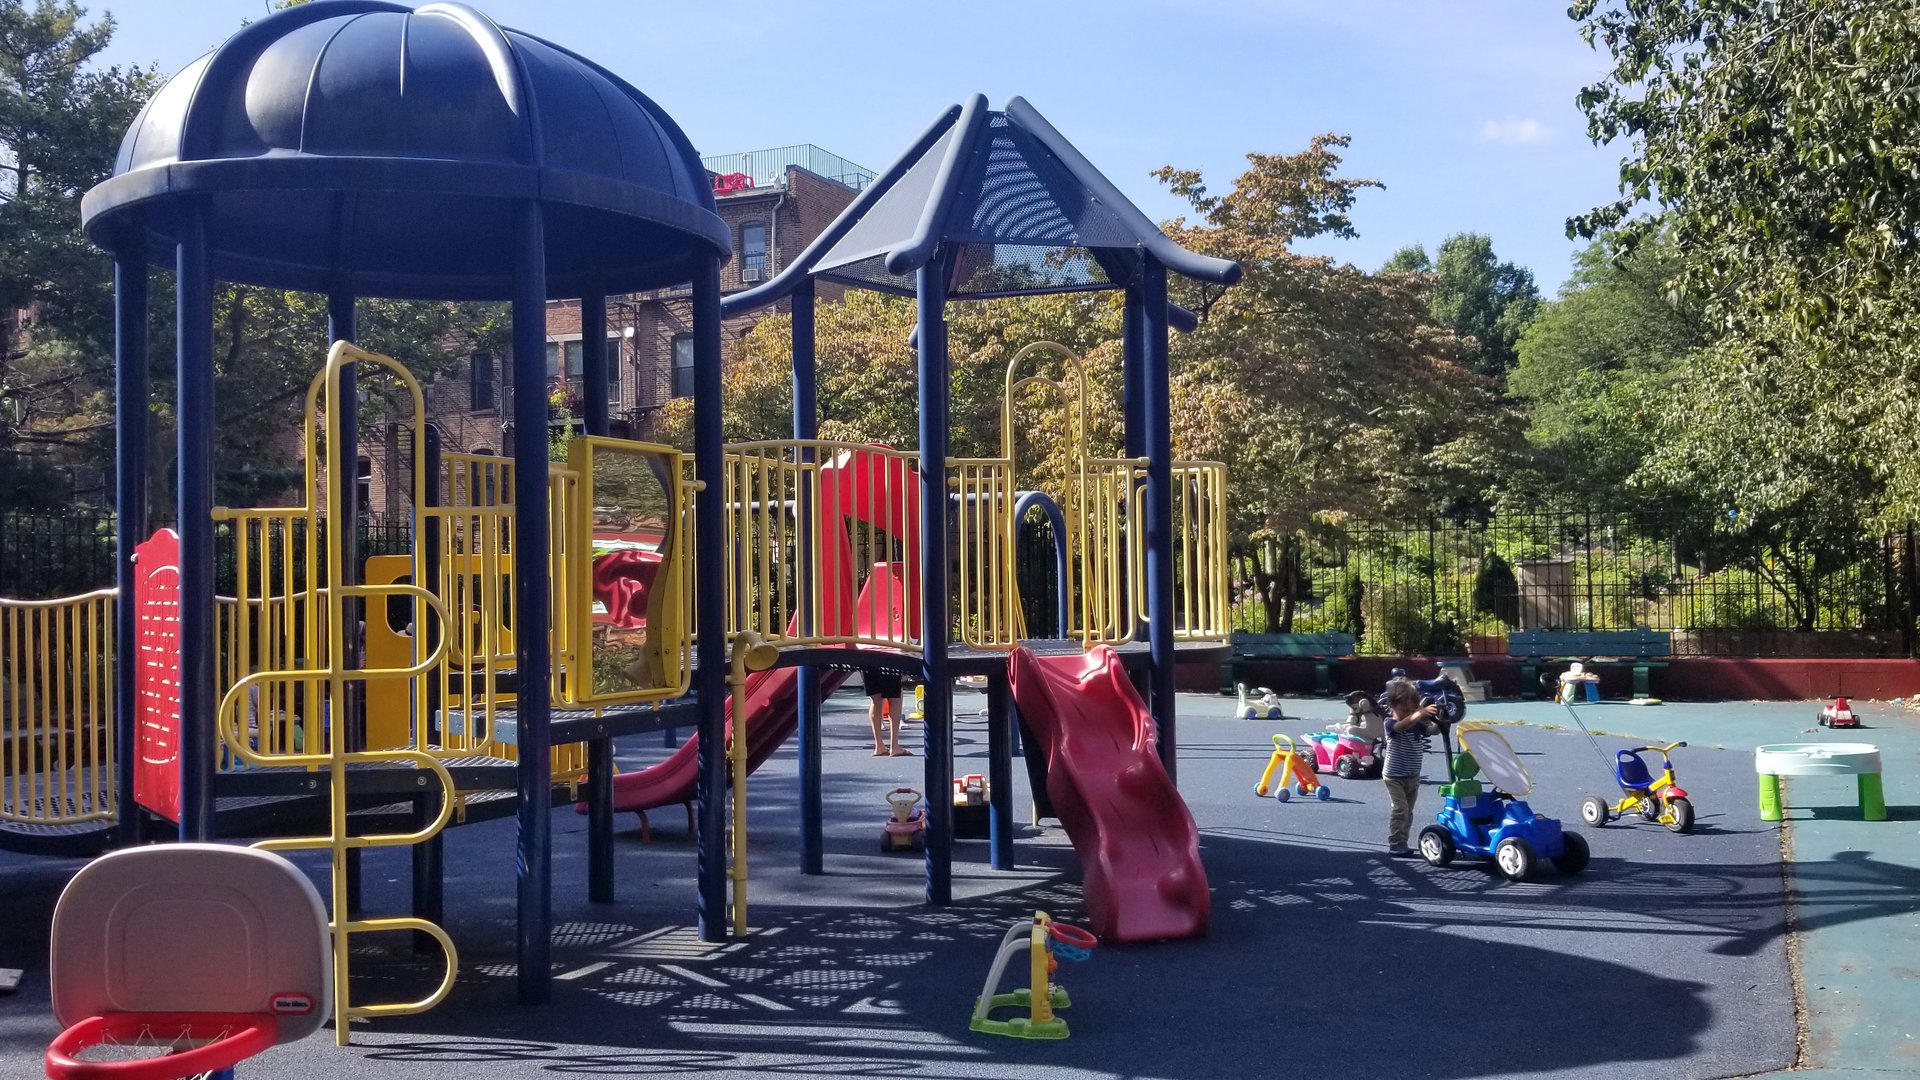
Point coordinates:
[(1407, 729)]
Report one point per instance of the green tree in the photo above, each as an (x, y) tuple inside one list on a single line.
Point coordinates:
[(1480, 297), (1599, 364), (1411, 259), (1330, 392), (1778, 145), (61, 118)]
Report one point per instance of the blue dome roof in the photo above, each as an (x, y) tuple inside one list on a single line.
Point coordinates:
[(363, 146)]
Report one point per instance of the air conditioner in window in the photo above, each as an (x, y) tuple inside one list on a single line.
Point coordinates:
[(751, 273)]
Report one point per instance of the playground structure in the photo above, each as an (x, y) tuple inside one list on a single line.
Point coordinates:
[(478, 686)]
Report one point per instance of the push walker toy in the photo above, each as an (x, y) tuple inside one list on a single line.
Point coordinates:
[(1651, 798), (1289, 765), (1495, 824), (1840, 714), (185, 960), (1260, 704), (906, 830), (1046, 943)]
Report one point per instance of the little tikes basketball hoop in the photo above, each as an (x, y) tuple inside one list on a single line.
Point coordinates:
[(182, 960)]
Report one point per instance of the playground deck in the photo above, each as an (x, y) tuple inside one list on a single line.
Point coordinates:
[(1669, 953)]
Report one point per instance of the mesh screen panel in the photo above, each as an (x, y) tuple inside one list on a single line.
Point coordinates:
[(889, 223)]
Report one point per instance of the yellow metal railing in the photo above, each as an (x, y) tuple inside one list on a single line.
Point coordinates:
[(1201, 574), (989, 611), (319, 680), (858, 525), (634, 496), (56, 709)]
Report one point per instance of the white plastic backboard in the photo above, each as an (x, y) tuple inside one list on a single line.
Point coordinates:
[(192, 928)]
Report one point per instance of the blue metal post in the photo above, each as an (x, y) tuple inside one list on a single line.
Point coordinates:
[(806, 425), (999, 772), (130, 509), (429, 857), (1156, 412), (344, 469), (530, 606), (594, 363), (198, 740), (937, 709), (1133, 395), (710, 792)]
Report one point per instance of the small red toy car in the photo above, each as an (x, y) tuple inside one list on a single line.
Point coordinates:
[(1839, 715)]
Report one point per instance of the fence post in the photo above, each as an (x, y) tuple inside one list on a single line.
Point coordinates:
[(1907, 600), (1433, 582)]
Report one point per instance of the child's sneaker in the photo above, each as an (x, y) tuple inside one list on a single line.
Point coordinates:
[(1400, 851)]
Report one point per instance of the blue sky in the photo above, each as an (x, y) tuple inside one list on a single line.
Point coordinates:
[(1464, 109)]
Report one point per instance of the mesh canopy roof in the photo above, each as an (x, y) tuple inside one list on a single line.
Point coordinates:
[(1015, 206)]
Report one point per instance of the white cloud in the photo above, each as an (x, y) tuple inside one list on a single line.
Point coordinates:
[(1513, 132)]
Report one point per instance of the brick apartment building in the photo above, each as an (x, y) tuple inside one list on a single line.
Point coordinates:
[(774, 201)]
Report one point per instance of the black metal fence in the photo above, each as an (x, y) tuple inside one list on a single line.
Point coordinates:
[(48, 555), (1444, 587)]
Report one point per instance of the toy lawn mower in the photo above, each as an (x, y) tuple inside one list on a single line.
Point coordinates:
[(906, 829), (1491, 819)]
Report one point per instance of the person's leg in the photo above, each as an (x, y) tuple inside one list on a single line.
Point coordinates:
[(898, 750), (1400, 817), (873, 721)]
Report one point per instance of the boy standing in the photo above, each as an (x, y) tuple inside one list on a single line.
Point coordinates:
[(1407, 728)]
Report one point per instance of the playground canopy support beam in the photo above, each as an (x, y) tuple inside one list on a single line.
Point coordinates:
[(344, 461), (806, 427), (710, 805), (198, 739), (132, 442), (594, 363), (936, 716), (532, 646), (1156, 410)]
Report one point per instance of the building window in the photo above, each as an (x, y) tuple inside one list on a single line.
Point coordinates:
[(363, 484), (480, 390), (683, 365), (566, 362), (753, 252)]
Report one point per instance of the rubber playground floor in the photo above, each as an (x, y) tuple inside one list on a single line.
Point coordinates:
[(1325, 957)]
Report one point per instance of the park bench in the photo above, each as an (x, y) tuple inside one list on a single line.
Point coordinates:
[(1324, 651), (1641, 649)]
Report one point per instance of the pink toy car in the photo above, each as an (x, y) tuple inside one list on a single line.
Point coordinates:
[(1347, 756)]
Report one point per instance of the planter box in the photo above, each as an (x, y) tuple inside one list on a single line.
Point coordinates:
[(1486, 644)]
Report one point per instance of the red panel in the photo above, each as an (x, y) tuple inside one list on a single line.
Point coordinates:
[(156, 597), (1139, 849)]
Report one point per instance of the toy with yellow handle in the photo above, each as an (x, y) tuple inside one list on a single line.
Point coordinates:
[(1290, 766)]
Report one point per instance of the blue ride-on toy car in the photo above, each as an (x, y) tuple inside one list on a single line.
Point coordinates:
[(1491, 819)]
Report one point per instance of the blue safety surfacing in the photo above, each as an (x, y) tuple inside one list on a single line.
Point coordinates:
[(1325, 954)]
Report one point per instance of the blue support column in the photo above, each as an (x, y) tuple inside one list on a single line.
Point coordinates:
[(1133, 400), (806, 425), (193, 510), (1156, 412), (999, 772), (594, 362), (343, 469), (429, 857), (937, 709), (531, 613), (133, 440), (710, 791)]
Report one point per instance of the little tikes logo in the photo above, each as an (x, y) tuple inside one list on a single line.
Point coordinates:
[(290, 1004)]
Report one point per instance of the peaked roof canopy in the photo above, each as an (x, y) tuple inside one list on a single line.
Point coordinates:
[(1020, 208), (365, 146)]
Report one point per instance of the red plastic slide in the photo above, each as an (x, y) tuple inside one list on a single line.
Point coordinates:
[(1136, 839), (854, 485), (771, 712)]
